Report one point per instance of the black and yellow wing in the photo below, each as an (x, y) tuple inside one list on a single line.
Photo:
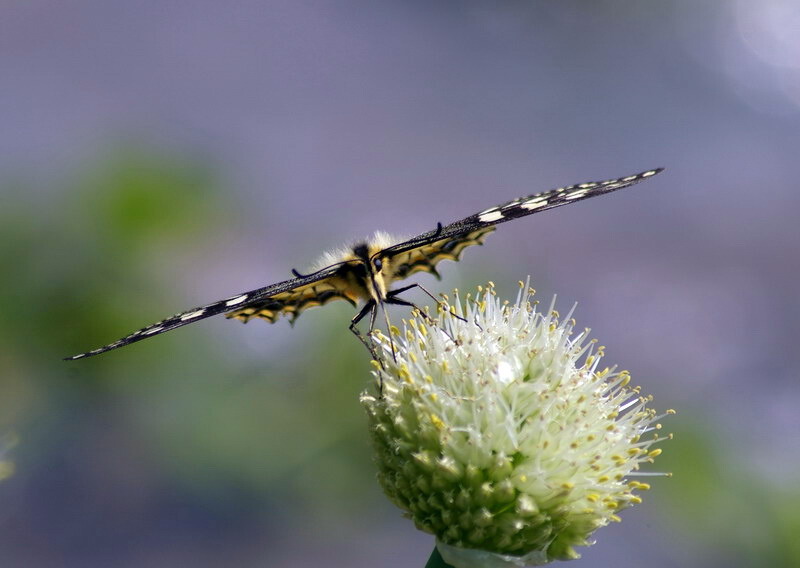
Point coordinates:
[(424, 257), (289, 297), (356, 275), (423, 251), (299, 298)]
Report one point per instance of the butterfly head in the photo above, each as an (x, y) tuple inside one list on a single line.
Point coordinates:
[(371, 267)]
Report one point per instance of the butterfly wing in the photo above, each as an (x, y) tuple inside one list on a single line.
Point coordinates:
[(419, 254), (472, 229), (423, 258), (302, 288), (298, 299)]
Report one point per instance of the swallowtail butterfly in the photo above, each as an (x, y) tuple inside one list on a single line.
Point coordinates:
[(365, 271)]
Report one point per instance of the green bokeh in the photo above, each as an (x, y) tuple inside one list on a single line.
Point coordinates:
[(80, 264)]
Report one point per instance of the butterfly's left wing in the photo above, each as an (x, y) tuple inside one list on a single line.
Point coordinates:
[(293, 301), (303, 287), (422, 252)]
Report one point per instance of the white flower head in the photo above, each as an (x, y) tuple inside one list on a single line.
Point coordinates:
[(497, 430)]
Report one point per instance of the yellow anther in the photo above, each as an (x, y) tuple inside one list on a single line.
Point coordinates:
[(437, 422)]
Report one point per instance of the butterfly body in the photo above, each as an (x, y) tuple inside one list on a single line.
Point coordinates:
[(366, 271)]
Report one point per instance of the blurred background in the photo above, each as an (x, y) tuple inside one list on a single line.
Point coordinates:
[(159, 155)]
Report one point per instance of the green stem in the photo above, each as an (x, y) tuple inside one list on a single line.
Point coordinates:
[(436, 560)]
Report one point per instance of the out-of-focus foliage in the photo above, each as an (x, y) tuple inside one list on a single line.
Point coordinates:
[(755, 521), (6, 465), (124, 433)]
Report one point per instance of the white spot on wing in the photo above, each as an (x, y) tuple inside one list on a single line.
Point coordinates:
[(577, 194), (490, 216), (192, 315), (236, 300), (648, 174), (534, 203), (154, 330)]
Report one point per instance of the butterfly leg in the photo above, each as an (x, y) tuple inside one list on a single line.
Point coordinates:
[(393, 293), (393, 299), (388, 328), (369, 308), (399, 302)]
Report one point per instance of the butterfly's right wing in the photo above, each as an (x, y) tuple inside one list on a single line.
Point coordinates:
[(472, 229), (425, 257), (287, 297)]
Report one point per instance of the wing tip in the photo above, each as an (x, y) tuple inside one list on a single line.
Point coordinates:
[(79, 356), (92, 353)]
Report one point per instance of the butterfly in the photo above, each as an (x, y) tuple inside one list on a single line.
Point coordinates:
[(365, 271)]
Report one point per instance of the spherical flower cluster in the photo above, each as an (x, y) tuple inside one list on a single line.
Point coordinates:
[(497, 430)]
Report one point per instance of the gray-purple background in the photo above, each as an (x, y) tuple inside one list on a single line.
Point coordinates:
[(156, 155)]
